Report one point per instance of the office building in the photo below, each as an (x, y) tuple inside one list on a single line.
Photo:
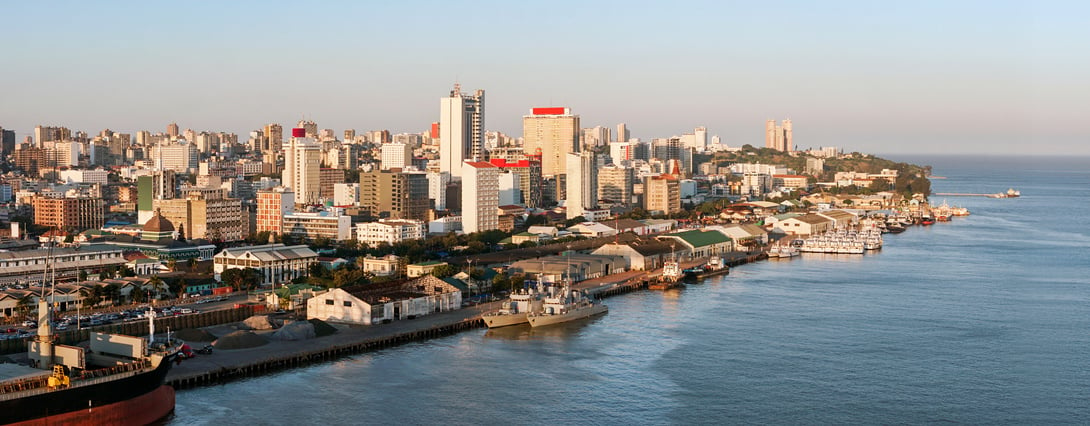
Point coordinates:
[(395, 194), (461, 130), (662, 194), (552, 132), (615, 184), (205, 215), (69, 213), (390, 231)]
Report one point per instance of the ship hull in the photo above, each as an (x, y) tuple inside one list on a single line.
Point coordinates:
[(496, 321), (142, 410), (105, 397), (544, 320)]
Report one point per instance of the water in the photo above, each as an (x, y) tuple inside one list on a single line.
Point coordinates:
[(981, 320)]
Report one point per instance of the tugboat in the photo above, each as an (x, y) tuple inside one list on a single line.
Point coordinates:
[(670, 278)]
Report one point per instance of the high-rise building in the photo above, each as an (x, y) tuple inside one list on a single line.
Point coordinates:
[(461, 130), (480, 197), (349, 135), (615, 184), (662, 194), (328, 177), (529, 178), (396, 155), (273, 140), (179, 157), (395, 194), (69, 213), (310, 127), (778, 137), (622, 133), (582, 184), (554, 132), (7, 141), (596, 136), (302, 167), (172, 130), (437, 189), (272, 205), (205, 214)]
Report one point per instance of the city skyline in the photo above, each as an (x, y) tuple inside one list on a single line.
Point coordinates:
[(865, 77)]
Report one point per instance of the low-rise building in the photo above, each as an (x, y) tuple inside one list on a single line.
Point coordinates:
[(276, 262), (376, 303), (643, 255), (700, 243), (808, 224), (384, 266), (592, 230), (422, 268), (745, 235)]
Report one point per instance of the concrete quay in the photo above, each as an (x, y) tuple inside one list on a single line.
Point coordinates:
[(230, 364)]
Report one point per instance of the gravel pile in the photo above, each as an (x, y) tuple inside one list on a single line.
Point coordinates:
[(321, 328), (257, 322), (241, 339), (295, 330)]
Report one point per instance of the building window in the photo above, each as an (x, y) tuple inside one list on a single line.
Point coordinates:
[(329, 301), (347, 303)]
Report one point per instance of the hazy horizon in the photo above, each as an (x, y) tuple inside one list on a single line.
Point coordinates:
[(920, 78)]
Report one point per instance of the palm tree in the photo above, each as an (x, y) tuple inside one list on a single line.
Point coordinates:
[(24, 304), (172, 264), (157, 285), (191, 264)]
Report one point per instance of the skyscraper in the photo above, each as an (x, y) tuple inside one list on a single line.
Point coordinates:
[(302, 167), (272, 205), (396, 155), (172, 130), (553, 131), (461, 130), (582, 183)]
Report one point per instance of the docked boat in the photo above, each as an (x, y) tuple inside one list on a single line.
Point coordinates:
[(564, 304), (118, 379), (670, 278), (514, 310)]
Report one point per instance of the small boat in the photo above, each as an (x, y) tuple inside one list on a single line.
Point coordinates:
[(670, 278)]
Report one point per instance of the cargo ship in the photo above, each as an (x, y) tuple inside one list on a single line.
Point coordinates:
[(116, 380)]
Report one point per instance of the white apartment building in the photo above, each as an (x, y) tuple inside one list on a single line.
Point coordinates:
[(396, 155), (346, 194), (582, 184), (480, 196), (98, 176), (309, 226), (302, 168), (390, 231)]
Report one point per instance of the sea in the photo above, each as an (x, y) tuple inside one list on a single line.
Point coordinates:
[(981, 320)]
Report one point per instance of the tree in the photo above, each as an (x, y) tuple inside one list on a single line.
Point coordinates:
[(172, 264), (181, 232), (82, 275), (191, 263), (157, 286), (444, 270), (241, 279), (23, 305)]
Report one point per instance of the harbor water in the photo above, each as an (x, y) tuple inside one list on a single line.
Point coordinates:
[(985, 319)]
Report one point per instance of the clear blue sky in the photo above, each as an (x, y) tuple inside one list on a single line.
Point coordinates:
[(885, 77)]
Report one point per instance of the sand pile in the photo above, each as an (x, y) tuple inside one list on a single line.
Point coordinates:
[(321, 328), (257, 322), (195, 335), (241, 339), (295, 330)]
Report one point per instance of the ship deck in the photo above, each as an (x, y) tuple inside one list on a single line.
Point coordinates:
[(13, 372)]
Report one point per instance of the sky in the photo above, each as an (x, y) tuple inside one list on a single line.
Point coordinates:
[(961, 77)]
